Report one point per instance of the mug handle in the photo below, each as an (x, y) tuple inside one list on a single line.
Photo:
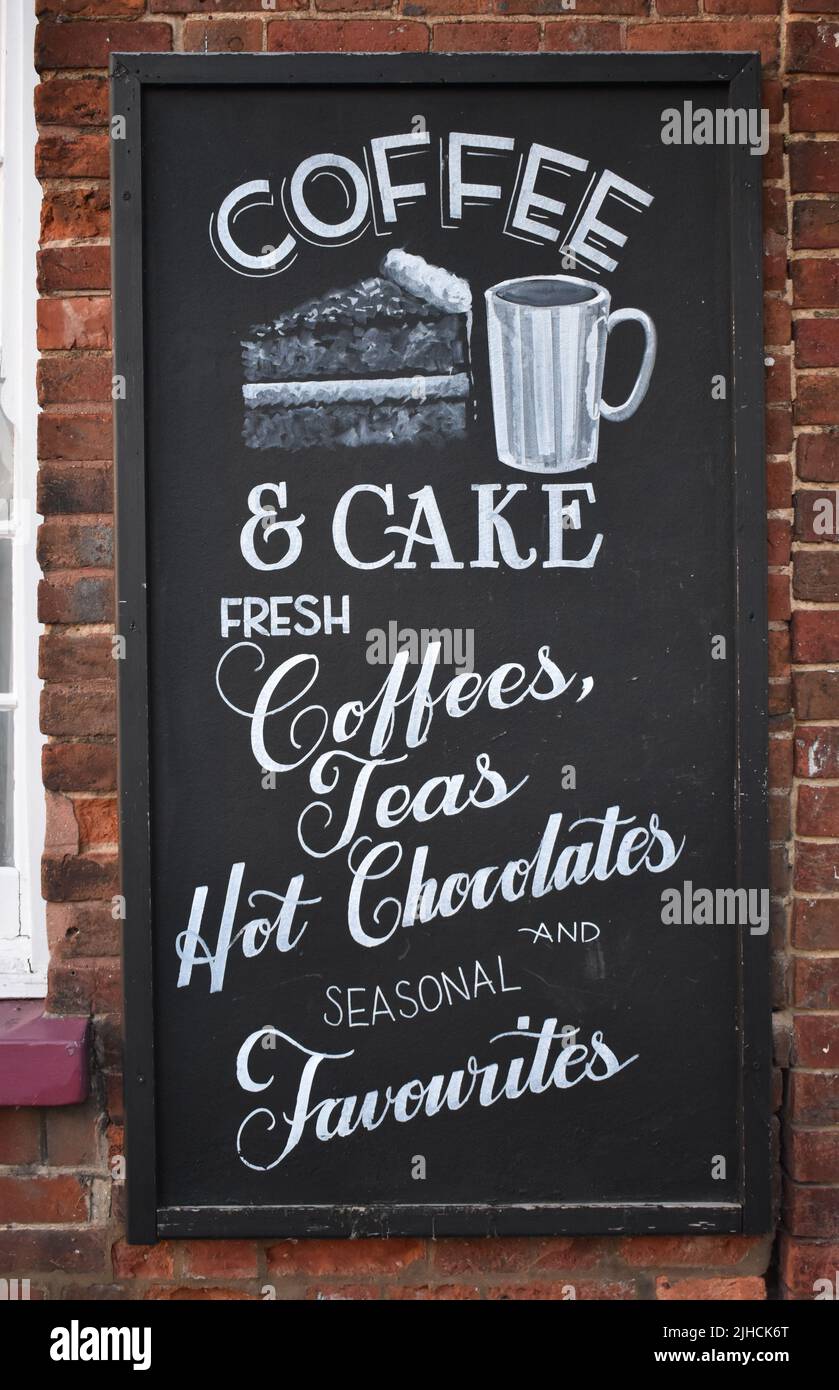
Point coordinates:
[(639, 390)]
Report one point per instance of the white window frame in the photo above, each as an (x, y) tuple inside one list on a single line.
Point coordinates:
[(23, 937)]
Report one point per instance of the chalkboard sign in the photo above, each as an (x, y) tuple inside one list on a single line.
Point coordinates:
[(441, 640)]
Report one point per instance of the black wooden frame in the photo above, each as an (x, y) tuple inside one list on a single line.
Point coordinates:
[(737, 75)]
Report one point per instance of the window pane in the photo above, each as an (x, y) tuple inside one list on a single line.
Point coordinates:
[(7, 844), (5, 615)]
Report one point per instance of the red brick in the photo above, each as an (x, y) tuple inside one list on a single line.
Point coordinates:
[(815, 223), (817, 400), (223, 35), (68, 543), (779, 643), (64, 1252), (486, 36), (777, 321), (811, 1211), (812, 1155), (74, 268), (818, 814), (70, 379), (779, 696), (82, 929), (778, 484), (666, 8), (143, 1261), (83, 767), (75, 487), (347, 35), (75, 213), (815, 924), (82, 321), (635, 8), (814, 1098), (579, 1290), (779, 610), (813, 106), (89, 9), (817, 457), (658, 1252), (76, 435), (349, 6), (817, 515), (696, 1290), (815, 635), (772, 96), (73, 155), (73, 1133), (60, 45), (711, 35), (20, 1136), (43, 1201), (80, 101), (84, 986), (98, 820), (779, 539), (582, 36), (778, 427), (780, 870), (76, 878), (816, 978), (780, 762), (114, 1100), (779, 381), (348, 1293), (802, 1263), (355, 1257), (779, 817), (816, 868), (817, 752), (86, 712), (199, 1293), (812, 47), (816, 577), (62, 832), (742, 6), (220, 1259), (817, 1035), (815, 283), (230, 6), (817, 343), (76, 596), (814, 167), (446, 1293), (71, 656)]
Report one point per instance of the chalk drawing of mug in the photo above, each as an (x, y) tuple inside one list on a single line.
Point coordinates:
[(547, 350)]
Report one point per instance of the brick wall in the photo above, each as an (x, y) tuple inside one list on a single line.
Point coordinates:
[(57, 1185)]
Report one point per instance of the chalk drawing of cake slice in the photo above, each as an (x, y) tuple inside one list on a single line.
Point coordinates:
[(385, 361)]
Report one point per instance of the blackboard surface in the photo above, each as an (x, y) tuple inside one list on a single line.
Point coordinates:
[(452, 1006)]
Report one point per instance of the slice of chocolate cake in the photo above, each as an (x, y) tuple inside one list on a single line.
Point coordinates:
[(385, 361)]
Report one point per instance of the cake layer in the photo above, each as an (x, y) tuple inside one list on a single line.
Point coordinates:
[(406, 389), (349, 424), (328, 349)]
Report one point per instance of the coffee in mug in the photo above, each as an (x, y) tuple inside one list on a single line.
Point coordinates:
[(547, 350)]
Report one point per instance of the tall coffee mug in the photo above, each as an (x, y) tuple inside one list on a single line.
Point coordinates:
[(547, 351)]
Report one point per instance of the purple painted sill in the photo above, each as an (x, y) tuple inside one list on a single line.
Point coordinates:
[(43, 1060)]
